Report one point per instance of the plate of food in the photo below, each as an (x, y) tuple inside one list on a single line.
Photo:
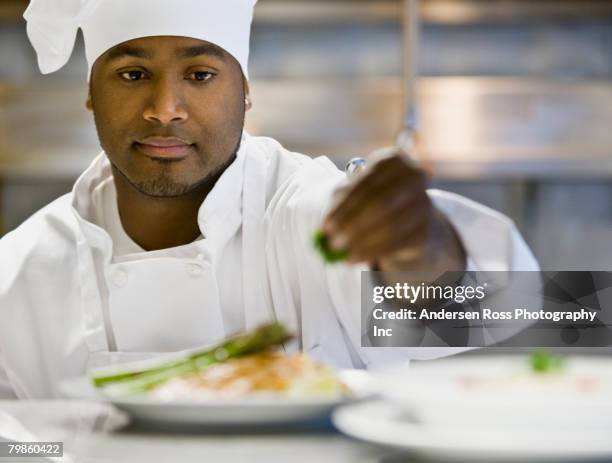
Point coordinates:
[(244, 380), (519, 408), (539, 390)]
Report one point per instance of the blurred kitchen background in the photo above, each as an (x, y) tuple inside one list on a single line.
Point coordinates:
[(514, 106)]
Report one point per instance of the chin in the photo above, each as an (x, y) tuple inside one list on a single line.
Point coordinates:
[(164, 188)]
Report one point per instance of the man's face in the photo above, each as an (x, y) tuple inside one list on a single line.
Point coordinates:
[(169, 112)]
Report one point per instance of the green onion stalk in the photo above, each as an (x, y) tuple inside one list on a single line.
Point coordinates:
[(141, 380)]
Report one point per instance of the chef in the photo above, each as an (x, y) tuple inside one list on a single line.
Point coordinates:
[(186, 229)]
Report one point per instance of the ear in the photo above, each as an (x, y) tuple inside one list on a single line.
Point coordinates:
[(88, 103), (248, 104)]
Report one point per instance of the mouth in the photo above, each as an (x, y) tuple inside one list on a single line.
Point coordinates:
[(164, 148)]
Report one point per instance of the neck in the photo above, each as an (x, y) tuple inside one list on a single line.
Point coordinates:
[(160, 223)]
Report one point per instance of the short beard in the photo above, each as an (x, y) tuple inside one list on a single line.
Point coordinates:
[(163, 187)]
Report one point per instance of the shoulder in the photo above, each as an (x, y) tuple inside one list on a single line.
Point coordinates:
[(42, 239), (470, 217), (296, 183), (491, 240), (463, 208)]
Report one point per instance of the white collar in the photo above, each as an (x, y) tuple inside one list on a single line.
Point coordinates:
[(219, 213)]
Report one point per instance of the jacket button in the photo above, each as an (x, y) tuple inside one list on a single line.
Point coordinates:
[(119, 278), (194, 270)]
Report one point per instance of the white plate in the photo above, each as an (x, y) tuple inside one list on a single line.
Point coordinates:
[(479, 392), (247, 411), (380, 422)]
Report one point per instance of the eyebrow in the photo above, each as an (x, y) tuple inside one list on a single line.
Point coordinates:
[(127, 50), (189, 52), (204, 49)]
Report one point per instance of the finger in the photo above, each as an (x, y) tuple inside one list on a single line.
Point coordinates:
[(411, 247), (375, 212), (384, 208), (408, 230), (377, 203), (353, 198), (393, 235), (381, 174)]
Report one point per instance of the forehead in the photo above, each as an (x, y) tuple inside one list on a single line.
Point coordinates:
[(165, 47)]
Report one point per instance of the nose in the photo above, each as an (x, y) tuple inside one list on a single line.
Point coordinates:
[(166, 104)]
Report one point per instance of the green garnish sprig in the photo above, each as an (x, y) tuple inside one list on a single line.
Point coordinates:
[(331, 256), (543, 362)]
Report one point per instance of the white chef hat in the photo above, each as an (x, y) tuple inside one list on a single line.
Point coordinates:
[(52, 26)]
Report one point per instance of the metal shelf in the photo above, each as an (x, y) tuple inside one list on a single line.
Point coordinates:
[(472, 128), (294, 12), (449, 12)]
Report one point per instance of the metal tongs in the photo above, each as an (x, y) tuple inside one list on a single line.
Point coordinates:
[(406, 139)]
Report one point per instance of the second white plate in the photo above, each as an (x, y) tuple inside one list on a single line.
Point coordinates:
[(380, 422)]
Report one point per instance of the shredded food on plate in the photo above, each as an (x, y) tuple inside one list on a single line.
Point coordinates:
[(262, 374)]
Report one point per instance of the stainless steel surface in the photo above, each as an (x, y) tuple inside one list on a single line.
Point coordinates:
[(452, 12), (324, 11), (488, 11), (87, 439), (46, 132), (472, 128), (385, 11)]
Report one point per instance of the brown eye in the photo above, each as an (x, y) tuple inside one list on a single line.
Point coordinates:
[(201, 76), (132, 75)]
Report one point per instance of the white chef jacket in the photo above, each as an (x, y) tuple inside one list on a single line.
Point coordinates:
[(70, 301)]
